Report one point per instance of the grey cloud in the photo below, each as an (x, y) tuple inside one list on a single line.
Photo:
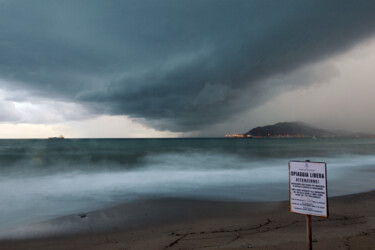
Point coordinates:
[(178, 65), (7, 112)]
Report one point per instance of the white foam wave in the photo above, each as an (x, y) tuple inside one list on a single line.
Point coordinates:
[(200, 175)]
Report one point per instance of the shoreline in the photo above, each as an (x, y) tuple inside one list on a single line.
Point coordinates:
[(195, 224)]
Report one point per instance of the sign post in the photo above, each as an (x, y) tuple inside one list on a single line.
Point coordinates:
[(308, 191), (309, 232)]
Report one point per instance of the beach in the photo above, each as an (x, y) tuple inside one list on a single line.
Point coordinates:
[(194, 224)]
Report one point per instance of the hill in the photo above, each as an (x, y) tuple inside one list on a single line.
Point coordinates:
[(295, 129)]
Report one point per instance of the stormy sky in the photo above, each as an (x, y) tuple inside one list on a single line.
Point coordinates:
[(184, 68)]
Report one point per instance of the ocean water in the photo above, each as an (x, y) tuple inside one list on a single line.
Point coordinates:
[(43, 179)]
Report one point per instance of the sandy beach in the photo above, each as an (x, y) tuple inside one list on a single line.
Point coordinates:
[(191, 224)]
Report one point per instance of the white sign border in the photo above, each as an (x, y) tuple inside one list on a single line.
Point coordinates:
[(290, 194)]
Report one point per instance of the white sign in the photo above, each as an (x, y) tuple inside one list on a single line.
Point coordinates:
[(308, 188)]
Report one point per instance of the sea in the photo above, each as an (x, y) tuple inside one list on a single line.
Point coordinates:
[(45, 179)]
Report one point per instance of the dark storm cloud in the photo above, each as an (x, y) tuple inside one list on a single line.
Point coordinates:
[(180, 65)]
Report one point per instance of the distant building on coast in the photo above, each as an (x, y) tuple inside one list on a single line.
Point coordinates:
[(237, 136)]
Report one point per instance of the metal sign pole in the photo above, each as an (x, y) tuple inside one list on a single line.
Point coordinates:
[(308, 231), (308, 228)]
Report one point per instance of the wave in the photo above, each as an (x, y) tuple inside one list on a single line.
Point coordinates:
[(213, 175)]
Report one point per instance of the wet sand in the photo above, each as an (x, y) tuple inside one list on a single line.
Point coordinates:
[(192, 224)]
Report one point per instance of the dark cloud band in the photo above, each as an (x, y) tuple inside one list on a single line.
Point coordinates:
[(179, 65)]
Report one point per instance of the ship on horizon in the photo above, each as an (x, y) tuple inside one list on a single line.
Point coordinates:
[(57, 138)]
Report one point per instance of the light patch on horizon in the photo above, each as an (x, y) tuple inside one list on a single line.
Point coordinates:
[(106, 126), (98, 127), (33, 117), (32, 131)]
